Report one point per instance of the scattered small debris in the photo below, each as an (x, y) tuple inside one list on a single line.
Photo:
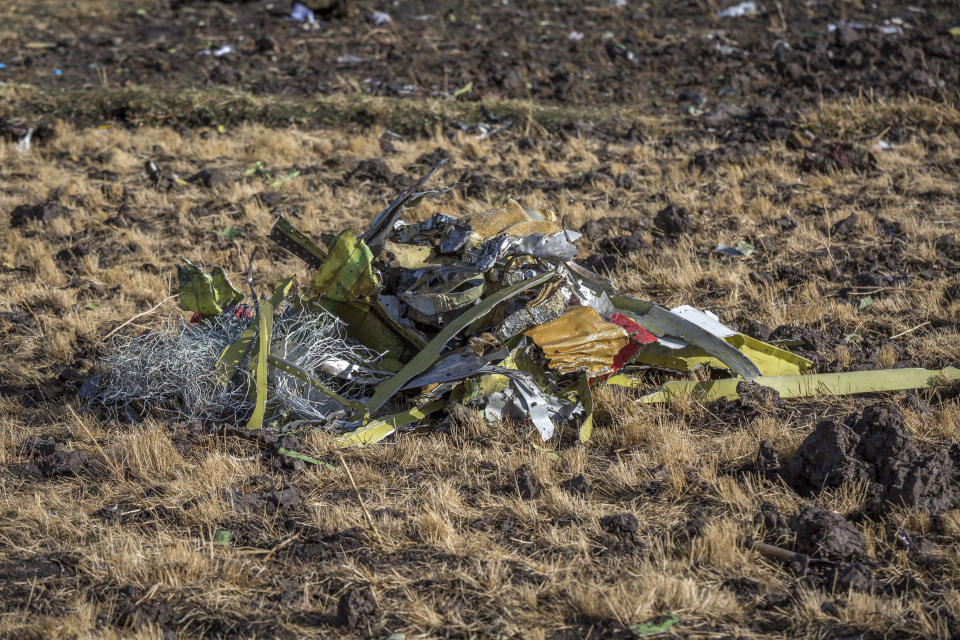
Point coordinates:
[(742, 250), (301, 13), (738, 10), (218, 52), (23, 144), (655, 626), (380, 18), (351, 59)]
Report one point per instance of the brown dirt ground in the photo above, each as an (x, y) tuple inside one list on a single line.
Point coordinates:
[(106, 528)]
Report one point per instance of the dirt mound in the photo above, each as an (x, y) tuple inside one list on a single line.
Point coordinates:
[(577, 485), (876, 450)]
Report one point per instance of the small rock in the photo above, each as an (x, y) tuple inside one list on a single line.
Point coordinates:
[(372, 169), (798, 139), (785, 223), (771, 517), (695, 527), (266, 45), (287, 498), (767, 461), (844, 226), (845, 36), (625, 244), (755, 329), (673, 221), (270, 198), (856, 576), (210, 177), (66, 463), (694, 98), (946, 243)]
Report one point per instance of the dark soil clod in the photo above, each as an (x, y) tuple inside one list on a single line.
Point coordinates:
[(43, 212), (622, 525), (526, 485), (358, 606), (210, 177), (66, 463), (673, 221), (827, 534), (577, 485)]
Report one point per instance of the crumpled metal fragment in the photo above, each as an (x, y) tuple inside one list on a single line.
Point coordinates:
[(205, 293), (551, 308), (524, 399), (347, 274), (441, 294), (557, 246), (580, 340)]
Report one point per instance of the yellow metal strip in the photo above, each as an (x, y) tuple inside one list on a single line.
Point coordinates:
[(380, 428), (586, 397), (265, 318), (231, 356), (831, 384)]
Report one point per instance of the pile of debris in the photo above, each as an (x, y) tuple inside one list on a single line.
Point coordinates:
[(485, 310)]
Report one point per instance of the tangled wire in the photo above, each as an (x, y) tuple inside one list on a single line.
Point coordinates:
[(172, 372)]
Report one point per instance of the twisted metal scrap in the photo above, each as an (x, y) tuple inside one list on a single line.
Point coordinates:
[(316, 342), (172, 372)]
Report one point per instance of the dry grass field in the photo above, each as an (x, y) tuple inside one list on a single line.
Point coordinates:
[(116, 538), (479, 530)]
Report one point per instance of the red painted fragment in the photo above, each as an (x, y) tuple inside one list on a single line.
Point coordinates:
[(638, 336), (637, 333)]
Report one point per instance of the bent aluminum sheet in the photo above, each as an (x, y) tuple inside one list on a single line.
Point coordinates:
[(661, 322)]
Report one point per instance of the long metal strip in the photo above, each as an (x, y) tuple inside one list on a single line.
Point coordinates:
[(377, 430), (831, 384), (285, 234), (265, 321)]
